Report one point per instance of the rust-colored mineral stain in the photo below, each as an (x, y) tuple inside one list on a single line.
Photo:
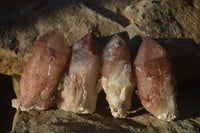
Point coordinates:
[(155, 80), (43, 72), (79, 94), (117, 81)]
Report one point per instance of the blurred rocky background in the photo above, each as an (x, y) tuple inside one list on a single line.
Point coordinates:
[(174, 24)]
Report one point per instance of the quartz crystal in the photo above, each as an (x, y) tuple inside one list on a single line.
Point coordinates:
[(43, 72), (117, 76), (79, 94), (155, 80)]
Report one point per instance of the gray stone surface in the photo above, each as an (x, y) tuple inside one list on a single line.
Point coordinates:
[(138, 120), (174, 24), (20, 29)]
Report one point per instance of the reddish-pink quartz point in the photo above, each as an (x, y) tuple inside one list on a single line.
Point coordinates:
[(43, 72), (117, 80), (79, 94), (155, 80), (86, 43)]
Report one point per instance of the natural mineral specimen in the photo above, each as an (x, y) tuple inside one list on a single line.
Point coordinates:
[(43, 72), (155, 80), (79, 94), (117, 76)]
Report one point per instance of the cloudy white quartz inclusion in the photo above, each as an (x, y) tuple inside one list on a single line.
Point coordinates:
[(155, 80), (43, 72), (79, 94), (118, 81)]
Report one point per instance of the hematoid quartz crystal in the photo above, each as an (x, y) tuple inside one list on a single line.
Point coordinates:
[(117, 81), (155, 80), (79, 94), (43, 72), (48, 63)]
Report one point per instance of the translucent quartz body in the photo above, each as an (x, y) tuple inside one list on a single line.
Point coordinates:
[(43, 72), (117, 76), (155, 80), (79, 94)]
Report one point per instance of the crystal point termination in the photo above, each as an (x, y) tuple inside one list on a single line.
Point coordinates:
[(79, 94), (117, 76), (43, 72), (155, 80)]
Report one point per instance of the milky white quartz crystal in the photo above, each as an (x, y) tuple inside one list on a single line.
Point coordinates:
[(79, 94)]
